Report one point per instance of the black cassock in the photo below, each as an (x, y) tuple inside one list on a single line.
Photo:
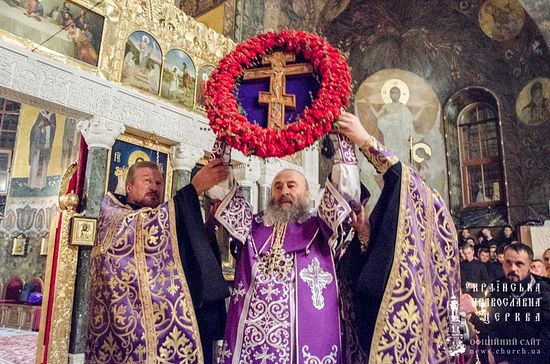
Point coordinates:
[(200, 258), (363, 275)]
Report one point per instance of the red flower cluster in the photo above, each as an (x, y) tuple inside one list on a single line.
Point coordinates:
[(234, 128)]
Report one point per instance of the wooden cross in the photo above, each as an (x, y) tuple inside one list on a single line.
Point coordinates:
[(276, 98)]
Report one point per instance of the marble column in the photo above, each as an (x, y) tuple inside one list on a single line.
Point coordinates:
[(264, 195), (268, 170), (100, 134), (247, 175), (247, 193), (183, 159), (264, 187)]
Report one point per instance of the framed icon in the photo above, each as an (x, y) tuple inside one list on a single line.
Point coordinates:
[(44, 244), (83, 230), (142, 62), (129, 149), (19, 245), (65, 27)]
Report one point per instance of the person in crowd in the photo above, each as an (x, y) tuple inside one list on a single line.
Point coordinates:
[(493, 252), (519, 332), (508, 235), (494, 269), (500, 254), (472, 273), (487, 238), (464, 234), (537, 267), (546, 261), (469, 242)]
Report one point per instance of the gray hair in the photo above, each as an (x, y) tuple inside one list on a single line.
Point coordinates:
[(293, 170)]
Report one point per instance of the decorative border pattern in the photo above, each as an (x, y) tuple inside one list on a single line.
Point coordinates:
[(36, 80), (235, 214), (333, 209), (345, 149), (412, 318), (64, 261), (380, 157)]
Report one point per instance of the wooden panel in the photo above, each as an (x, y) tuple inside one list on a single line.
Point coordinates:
[(19, 316)]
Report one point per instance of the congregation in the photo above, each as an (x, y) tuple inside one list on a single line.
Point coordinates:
[(504, 300)]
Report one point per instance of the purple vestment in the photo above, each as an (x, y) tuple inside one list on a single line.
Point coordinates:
[(274, 318), (412, 321), (284, 308), (140, 306)]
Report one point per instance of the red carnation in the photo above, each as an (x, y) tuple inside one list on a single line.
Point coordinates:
[(233, 127)]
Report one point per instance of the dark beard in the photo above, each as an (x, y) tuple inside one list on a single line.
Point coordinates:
[(274, 213)]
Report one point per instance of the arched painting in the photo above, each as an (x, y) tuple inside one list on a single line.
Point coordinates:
[(501, 20), (142, 62), (178, 78), (62, 26), (533, 102), (402, 111), (203, 75)]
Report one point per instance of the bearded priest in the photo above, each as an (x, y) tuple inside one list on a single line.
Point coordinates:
[(394, 281), (157, 290), (284, 305)]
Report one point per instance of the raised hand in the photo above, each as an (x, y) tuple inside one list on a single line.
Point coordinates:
[(350, 126), (210, 175)]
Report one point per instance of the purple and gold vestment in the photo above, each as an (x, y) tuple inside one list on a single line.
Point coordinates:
[(284, 306), (395, 293), (140, 306)]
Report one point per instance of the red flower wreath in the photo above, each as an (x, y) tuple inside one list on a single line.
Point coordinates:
[(234, 128)]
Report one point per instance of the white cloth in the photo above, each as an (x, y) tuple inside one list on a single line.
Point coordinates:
[(222, 189), (346, 179)]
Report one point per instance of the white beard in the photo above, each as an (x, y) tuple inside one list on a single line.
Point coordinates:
[(296, 213)]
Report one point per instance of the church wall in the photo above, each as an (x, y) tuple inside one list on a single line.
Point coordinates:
[(249, 19), (29, 266), (450, 45), (539, 10), (105, 107), (32, 198)]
